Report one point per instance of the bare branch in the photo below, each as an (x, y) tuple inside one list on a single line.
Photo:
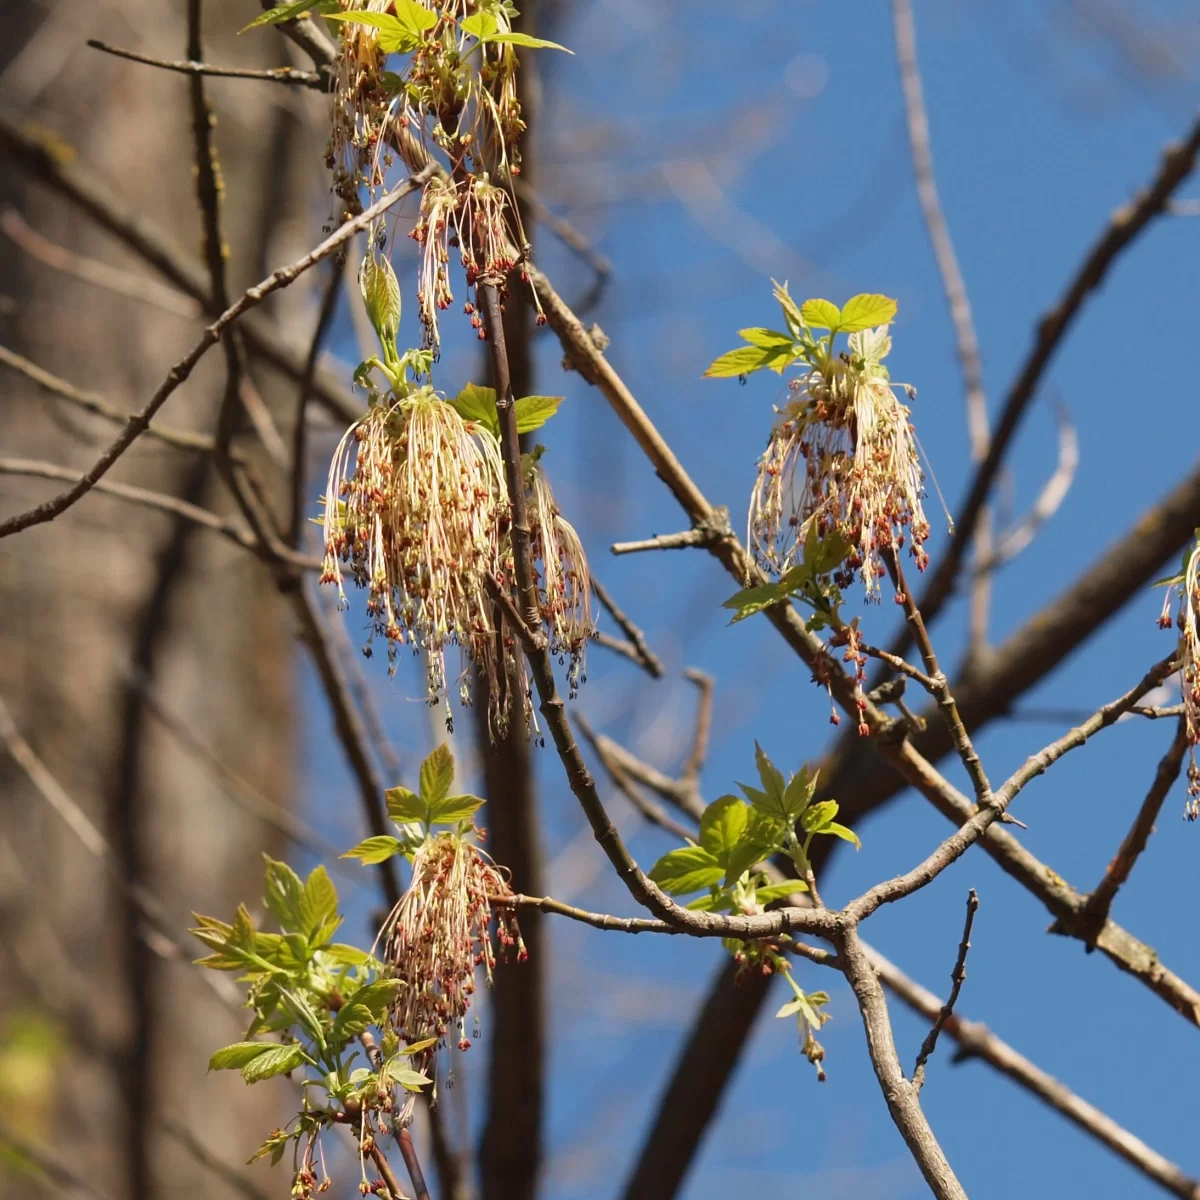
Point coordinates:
[(642, 654), (957, 977), (900, 1094), (547, 904), (1097, 906), (288, 75), (977, 1041)]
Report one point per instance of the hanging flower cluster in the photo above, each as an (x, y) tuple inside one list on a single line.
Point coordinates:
[(439, 934), (842, 456), (1184, 590), (417, 513), (453, 99)]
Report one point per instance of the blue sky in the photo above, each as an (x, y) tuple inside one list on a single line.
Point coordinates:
[(703, 148)]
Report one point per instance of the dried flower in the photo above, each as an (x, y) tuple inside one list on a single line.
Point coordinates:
[(565, 583), (440, 932), (416, 519), (847, 431)]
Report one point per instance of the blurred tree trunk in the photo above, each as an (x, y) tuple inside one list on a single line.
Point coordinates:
[(108, 587)]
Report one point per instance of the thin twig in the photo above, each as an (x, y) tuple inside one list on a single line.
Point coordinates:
[(412, 1164), (620, 779), (288, 75), (37, 469), (690, 775), (682, 540), (642, 654), (977, 1041), (548, 904), (957, 977), (59, 165), (1097, 906), (181, 370)]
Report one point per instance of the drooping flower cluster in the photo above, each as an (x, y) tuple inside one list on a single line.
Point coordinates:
[(1185, 589), (564, 581), (417, 513), (842, 456), (413, 508), (453, 99), (440, 932)]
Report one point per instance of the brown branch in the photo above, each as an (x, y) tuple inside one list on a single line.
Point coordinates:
[(411, 1163), (957, 977), (1096, 908), (974, 1040), (644, 890), (1123, 228), (690, 775), (288, 75), (899, 1092), (983, 816), (182, 369), (977, 1041), (641, 652), (548, 904), (35, 468)]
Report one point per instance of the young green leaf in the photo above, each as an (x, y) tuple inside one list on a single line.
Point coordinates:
[(452, 809), (381, 297), (405, 807), (395, 37), (437, 774), (283, 894), (722, 826), (746, 359), (347, 956), (779, 891), (410, 1080), (292, 12), (481, 24), (769, 775), (687, 869), (415, 16), (523, 39), (865, 312), (816, 818), (791, 312), (363, 1009), (821, 314), (275, 1145), (478, 404), (534, 411), (847, 835), (277, 1061), (799, 792), (318, 907), (374, 850), (238, 1055), (766, 338)]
